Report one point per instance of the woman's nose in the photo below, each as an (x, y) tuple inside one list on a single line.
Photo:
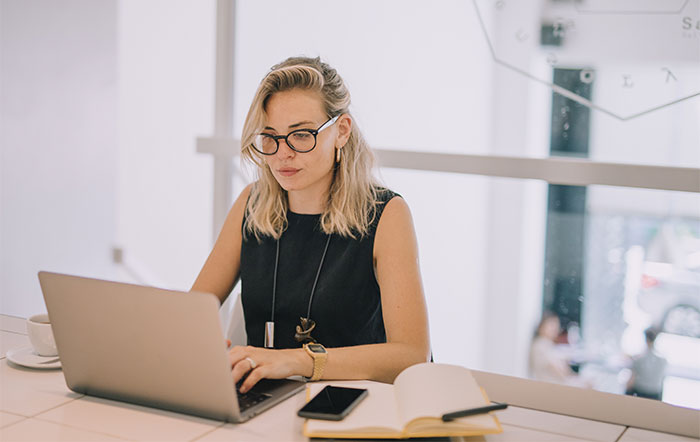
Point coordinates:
[(284, 150)]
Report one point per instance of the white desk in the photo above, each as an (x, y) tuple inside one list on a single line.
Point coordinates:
[(37, 405)]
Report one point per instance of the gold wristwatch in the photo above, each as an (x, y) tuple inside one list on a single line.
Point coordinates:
[(320, 356)]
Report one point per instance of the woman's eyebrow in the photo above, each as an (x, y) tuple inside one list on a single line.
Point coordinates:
[(301, 123), (291, 126)]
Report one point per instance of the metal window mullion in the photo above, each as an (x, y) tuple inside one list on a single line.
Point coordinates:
[(567, 171), (223, 110)]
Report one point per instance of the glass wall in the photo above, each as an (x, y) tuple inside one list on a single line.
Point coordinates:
[(641, 270)]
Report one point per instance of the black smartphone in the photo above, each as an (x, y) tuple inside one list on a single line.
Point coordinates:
[(333, 403)]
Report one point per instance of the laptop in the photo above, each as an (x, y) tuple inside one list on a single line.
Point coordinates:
[(149, 346)]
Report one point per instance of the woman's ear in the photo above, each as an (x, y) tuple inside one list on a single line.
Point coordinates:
[(344, 128)]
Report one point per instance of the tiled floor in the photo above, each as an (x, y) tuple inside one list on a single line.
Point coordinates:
[(48, 390), (10, 341), (7, 419), (127, 421), (38, 430)]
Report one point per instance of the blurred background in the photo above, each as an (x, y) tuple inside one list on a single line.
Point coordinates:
[(553, 135)]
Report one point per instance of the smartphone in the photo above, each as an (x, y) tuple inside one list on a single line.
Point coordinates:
[(333, 403)]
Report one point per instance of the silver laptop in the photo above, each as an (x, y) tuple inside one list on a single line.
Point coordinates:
[(149, 346)]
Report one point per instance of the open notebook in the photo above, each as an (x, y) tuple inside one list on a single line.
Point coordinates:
[(412, 407)]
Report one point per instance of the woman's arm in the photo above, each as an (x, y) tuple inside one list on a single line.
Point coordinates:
[(403, 307), (221, 270)]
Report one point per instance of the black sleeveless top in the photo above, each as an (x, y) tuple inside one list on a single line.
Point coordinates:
[(346, 305)]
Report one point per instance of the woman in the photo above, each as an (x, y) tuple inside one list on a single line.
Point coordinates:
[(328, 260), (546, 363)]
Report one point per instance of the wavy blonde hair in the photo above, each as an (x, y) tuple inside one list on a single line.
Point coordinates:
[(352, 198)]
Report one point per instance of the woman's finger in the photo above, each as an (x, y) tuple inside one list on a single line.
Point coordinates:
[(237, 353), (239, 370), (253, 377)]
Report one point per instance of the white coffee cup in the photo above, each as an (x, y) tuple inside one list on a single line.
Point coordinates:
[(41, 335)]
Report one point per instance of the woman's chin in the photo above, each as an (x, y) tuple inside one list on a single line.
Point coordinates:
[(286, 184)]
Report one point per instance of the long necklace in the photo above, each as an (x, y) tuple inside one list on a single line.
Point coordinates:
[(307, 325)]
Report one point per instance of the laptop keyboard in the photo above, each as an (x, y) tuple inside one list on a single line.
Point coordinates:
[(249, 399)]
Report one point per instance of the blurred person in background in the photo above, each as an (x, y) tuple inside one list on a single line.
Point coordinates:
[(546, 362), (648, 370)]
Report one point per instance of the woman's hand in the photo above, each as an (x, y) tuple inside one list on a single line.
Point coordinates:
[(262, 363)]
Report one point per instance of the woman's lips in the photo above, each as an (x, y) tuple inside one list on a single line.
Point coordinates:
[(287, 171)]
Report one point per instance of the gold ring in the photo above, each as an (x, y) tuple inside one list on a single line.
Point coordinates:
[(252, 363)]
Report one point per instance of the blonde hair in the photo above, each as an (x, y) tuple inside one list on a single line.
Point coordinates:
[(353, 194)]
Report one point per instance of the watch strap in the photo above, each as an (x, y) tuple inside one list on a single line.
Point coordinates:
[(319, 362)]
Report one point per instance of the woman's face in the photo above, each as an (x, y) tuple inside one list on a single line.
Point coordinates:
[(294, 171), (550, 328)]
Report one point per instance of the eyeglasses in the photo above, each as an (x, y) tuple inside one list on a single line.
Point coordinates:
[(300, 140)]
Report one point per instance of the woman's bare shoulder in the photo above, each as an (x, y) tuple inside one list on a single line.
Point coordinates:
[(396, 212), (395, 231)]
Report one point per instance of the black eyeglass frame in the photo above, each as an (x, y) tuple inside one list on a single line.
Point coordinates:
[(277, 138)]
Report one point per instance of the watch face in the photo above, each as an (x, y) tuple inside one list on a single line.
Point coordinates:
[(316, 348)]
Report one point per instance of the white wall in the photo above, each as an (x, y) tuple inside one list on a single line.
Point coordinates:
[(58, 97), (166, 100), (100, 106), (418, 71)]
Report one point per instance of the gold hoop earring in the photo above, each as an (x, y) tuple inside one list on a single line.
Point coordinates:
[(337, 155)]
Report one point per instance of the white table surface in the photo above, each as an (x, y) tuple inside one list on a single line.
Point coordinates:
[(37, 405)]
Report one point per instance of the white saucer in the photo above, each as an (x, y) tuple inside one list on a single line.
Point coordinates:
[(26, 357)]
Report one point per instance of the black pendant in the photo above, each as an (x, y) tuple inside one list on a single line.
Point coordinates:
[(304, 330)]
